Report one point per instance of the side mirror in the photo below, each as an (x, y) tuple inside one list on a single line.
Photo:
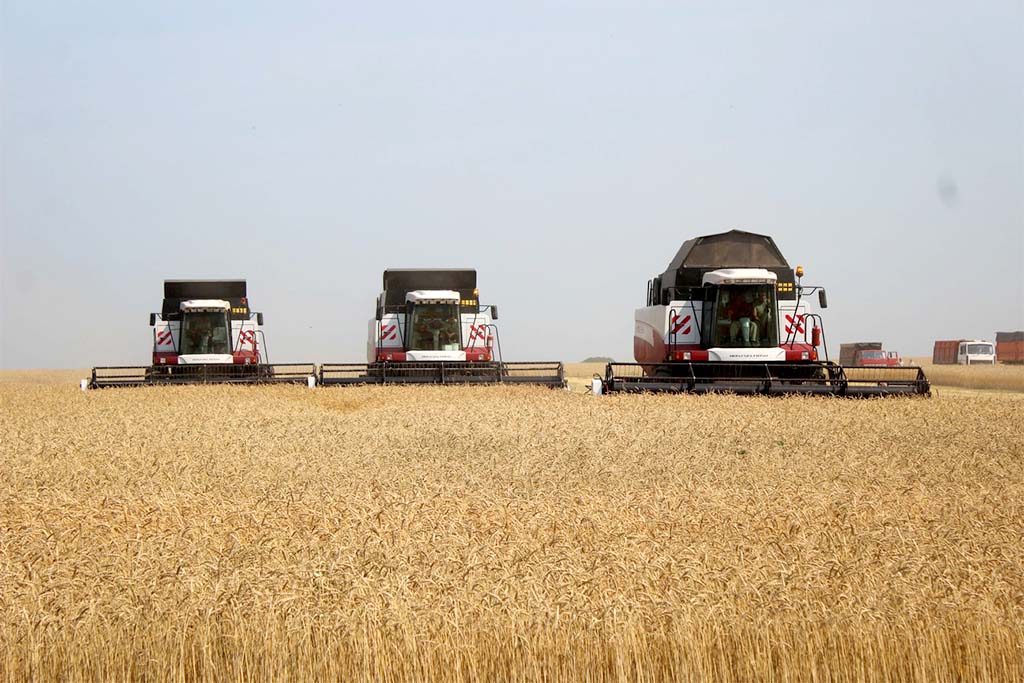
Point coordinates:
[(494, 312), (152, 319), (822, 299), (380, 313), (259, 319)]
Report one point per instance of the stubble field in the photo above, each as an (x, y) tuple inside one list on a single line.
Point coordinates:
[(498, 533)]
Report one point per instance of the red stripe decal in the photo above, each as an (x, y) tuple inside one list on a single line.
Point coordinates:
[(677, 324), (798, 324)]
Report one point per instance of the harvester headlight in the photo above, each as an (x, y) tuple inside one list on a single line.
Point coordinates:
[(686, 355), (804, 355)]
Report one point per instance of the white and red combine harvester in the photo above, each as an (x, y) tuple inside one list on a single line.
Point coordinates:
[(430, 328), (205, 333), (728, 314)]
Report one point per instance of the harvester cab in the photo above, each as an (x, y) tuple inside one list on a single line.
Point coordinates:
[(432, 319), (433, 326), (430, 327), (205, 332), (728, 314), (739, 312)]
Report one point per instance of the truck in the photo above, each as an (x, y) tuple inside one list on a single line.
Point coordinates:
[(1010, 347), (868, 354), (963, 352)]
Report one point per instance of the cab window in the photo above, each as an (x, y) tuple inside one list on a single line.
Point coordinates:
[(745, 317), (205, 332), (435, 327)]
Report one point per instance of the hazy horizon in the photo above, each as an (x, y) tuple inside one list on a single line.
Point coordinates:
[(564, 150)]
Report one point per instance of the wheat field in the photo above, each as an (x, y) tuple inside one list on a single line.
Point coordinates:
[(1001, 376), (506, 533)]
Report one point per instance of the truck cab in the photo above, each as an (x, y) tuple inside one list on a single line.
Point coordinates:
[(976, 352), (868, 355), (877, 358)]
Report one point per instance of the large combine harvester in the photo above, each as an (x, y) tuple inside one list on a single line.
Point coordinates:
[(205, 333), (430, 328), (728, 314)]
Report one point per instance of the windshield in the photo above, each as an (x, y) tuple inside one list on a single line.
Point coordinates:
[(872, 355), (204, 332), (982, 349), (745, 317), (435, 327)]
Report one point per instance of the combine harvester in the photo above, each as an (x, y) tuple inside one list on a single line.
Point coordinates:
[(728, 315), (431, 329), (205, 333)]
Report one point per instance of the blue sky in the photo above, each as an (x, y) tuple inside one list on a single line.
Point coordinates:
[(563, 149)]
